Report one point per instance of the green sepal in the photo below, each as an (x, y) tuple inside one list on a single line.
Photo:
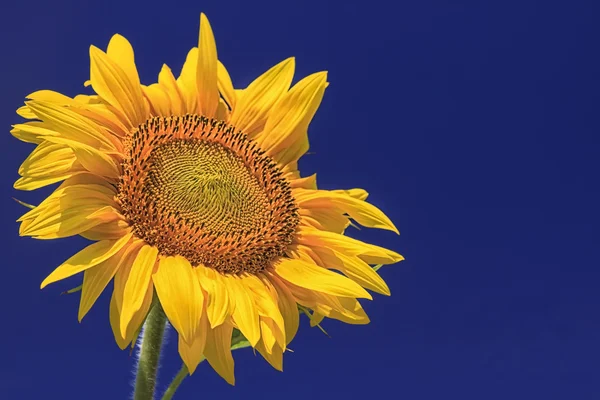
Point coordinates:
[(306, 311), (238, 340), (24, 204), (74, 290)]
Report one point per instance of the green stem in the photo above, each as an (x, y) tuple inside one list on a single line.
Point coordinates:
[(154, 330), (238, 341), (183, 372)]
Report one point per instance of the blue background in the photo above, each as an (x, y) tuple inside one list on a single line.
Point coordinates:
[(473, 124)]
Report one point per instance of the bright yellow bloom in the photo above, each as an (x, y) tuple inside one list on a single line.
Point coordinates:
[(190, 190)]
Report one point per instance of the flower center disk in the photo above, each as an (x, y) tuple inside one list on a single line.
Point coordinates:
[(208, 185), (195, 187)]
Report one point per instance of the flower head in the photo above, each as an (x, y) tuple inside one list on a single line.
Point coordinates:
[(190, 190)]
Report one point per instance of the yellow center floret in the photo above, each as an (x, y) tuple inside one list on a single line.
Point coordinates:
[(195, 187)]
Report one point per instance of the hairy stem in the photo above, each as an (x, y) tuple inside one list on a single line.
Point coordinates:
[(238, 341), (183, 372), (147, 367)]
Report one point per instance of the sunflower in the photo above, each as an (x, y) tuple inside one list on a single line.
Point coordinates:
[(190, 191)]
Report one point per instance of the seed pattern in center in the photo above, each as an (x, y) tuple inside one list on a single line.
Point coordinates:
[(194, 187)]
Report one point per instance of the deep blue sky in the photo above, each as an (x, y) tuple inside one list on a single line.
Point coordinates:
[(473, 124)]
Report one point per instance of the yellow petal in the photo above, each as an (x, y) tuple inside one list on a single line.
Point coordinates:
[(50, 96), (96, 278), (25, 112), (116, 88), (269, 334), (245, 314), (82, 189), (92, 159), (354, 268), (140, 315), (70, 125), (206, 71), (225, 86), (87, 99), (222, 111), (48, 159), (61, 220), (309, 182), (180, 294), (347, 310), (116, 302), (48, 163), (367, 252), (158, 98), (32, 132), (288, 308), (123, 272), (284, 135), (90, 179), (274, 357), (32, 183), (71, 193), (109, 230), (359, 194), (137, 284), (91, 256), (67, 223), (218, 308), (106, 214), (177, 99), (102, 114), (324, 220), (115, 322), (252, 109), (362, 212), (218, 351), (265, 296), (121, 52), (192, 354), (303, 296), (311, 276), (187, 81)]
